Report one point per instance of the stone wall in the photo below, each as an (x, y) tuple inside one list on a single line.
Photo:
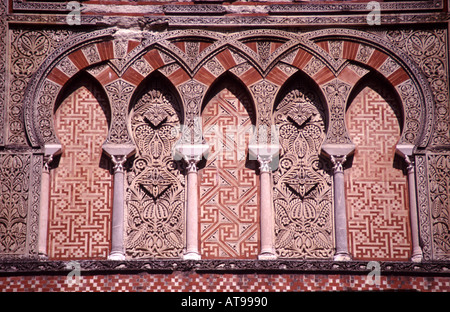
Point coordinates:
[(327, 125)]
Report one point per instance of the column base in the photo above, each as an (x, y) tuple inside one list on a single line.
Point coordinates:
[(192, 256), (417, 258), (342, 257), (42, 256), (267, 256), (116, 256)]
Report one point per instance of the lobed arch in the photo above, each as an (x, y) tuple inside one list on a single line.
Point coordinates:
[(373, 52), (130, 58)]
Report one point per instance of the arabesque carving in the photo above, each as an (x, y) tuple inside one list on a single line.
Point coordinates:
[(155, 193), (302, 184)]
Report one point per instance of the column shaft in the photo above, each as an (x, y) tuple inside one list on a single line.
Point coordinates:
[(44, 206), (267, 216), (117, 244), (340, 213), (416, 255), (192, 252)]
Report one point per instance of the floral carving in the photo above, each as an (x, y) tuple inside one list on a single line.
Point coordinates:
[(14, 202), (302, 184), (155, 196)]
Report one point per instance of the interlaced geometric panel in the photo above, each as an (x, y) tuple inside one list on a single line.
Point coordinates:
[(228, 217), (302, 183), (376, 188), (155, 193), (81, 185)]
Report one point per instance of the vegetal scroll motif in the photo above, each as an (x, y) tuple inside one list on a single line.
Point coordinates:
[(155, 195), (302, 183)]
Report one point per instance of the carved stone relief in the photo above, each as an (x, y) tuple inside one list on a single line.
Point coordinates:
[(119, 93), (336, 92), (155, 192), (28, 50), (19, 203), (302, 183), (428, 49), (3, 74), (433, 185), (14, 202)]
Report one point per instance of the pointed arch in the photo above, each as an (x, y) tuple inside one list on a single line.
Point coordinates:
[(155, 195), (79, 225), (229, 215), (302, 186), (376, 187)]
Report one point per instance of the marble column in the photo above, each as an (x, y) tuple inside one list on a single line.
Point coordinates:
[(192, 250), (118, 154), (50, 150), (117, 228), (191, 154), (265, 154), (406, 151), (340, 210), (267, 219), (44, 206), (416, 255)]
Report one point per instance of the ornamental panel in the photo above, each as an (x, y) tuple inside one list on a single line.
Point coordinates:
[(155, 190), (376, 187), (228, 217), (302, 189), (81, 185)]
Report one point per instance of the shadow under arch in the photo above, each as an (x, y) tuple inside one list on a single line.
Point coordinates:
[(158, 81), (384, 88), (301, 79), (239, 90), (235, 86), (84, 80), (376, 184)]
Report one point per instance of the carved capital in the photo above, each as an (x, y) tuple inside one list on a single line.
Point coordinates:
[(118, 161), (191, 164), (338, 162), (47, 160), (191, 154), (264, 163), (410, 163), (265, 154)]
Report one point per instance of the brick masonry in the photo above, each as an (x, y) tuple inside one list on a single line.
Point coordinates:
[(214, 282)]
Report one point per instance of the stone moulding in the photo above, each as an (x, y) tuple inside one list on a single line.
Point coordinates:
[(292, 8), (24, 267)]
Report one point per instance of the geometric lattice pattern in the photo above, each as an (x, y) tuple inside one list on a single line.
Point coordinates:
[(376, 190), (81, 185), (229, 219)]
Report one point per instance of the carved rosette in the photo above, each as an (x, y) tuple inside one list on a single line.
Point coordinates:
[(302, 183), (155, 194)]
